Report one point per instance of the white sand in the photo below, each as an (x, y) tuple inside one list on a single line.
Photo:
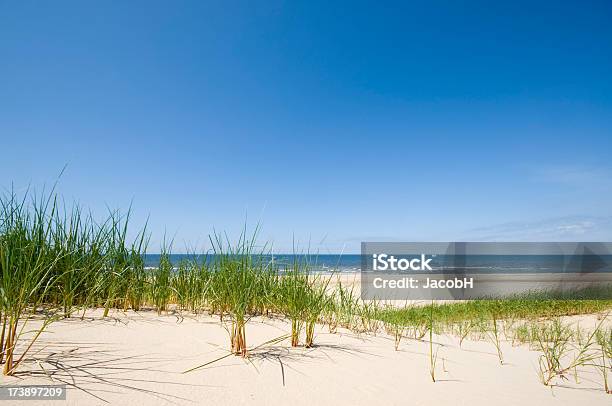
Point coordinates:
[(137, 358)]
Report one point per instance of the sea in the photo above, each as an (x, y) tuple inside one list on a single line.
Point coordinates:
[(352, 263)]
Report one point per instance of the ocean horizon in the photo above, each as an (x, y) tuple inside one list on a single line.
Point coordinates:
[(351, 263)]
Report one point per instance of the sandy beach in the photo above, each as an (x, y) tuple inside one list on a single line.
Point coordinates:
[(139, 358)]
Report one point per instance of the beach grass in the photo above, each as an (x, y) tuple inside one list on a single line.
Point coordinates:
[(57, 261)]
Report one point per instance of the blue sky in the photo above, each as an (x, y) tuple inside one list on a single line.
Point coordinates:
[(329, 123)]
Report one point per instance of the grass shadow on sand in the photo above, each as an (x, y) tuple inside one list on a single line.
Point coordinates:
[(286, 357), (86, 367)]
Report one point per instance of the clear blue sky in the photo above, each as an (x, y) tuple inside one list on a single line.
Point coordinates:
[(329, 123)]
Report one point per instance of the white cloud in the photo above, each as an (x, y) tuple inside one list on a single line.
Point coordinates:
[(571, 228), (571, 174)]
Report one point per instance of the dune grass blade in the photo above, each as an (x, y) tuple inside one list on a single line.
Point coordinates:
[(604, 340)]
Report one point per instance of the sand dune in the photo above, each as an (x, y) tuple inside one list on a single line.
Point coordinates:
[(138, 358)]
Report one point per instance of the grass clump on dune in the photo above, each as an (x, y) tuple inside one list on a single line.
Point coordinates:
[(292, 298), (234, 287), (53, 260), (302, 297), (161, 289), (27, 265)]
